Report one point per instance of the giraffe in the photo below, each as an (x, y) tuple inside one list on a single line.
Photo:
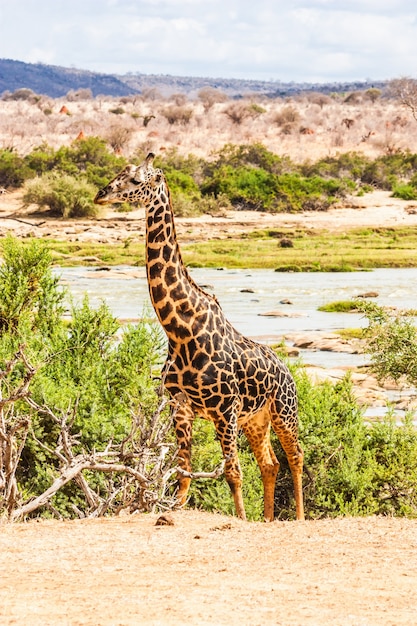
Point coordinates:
[(212, 371)]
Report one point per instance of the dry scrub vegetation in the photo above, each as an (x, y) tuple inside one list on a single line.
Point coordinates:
[(305, 127)]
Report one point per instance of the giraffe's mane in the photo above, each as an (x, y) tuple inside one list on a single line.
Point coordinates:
[(187, 274)]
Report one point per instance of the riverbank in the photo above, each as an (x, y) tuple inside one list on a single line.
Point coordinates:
[(370, 231), (278, 308)]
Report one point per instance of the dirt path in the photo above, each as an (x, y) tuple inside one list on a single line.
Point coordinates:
[(209, 569)]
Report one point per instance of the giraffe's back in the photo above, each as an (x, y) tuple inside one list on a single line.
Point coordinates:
[(218, 368)]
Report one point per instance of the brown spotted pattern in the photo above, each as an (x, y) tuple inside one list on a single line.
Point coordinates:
[(212, 371)]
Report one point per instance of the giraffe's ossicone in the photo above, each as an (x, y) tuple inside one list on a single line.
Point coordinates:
[(212, 370)]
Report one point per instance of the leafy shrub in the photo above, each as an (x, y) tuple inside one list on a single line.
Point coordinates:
[(348, 165), (252, 177), (63, 194), (91, 157), (245, 186), (387, 171), (255, 188), (391, 342), (255, 155), (215, 206), (405, 192), (296, 192), (172, 162), (186, 205), (89, 368), (13, 170), (29, 295), (42, 159)]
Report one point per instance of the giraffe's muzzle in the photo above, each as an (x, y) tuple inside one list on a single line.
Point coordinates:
[(100, 197)]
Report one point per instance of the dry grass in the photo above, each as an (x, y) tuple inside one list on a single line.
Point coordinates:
[(319, 126)]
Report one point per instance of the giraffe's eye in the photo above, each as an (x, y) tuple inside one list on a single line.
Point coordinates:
[(134, 181)]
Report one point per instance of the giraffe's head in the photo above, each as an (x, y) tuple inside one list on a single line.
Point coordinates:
[(136, 183)]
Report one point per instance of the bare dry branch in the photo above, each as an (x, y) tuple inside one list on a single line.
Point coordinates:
[(405, 90), (218, 471)]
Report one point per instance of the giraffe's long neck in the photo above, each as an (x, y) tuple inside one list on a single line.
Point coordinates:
[(177, 300)]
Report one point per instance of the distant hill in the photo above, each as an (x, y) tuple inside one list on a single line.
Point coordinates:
[(55, 81)]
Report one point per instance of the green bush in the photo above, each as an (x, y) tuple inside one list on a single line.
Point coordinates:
[(104, 373), (255, 155), (405, 192), (89, 157), (295, 192), (350, 165), (29, 295), (391, 342), (255, 188), (13, 170), (183, 174), (42, 159), (63, 194), (89, 369), (245, 186), (388, 171), (173, 163)]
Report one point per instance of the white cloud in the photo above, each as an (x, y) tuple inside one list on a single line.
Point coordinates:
[(317, 40)]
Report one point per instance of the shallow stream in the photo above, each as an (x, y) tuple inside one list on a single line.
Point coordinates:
[(247, 294)]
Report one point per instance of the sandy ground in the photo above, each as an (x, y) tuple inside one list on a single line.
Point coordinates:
[(209, 569), (376, 209)]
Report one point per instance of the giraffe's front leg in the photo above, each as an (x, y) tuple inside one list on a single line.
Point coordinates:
[(183, 423)]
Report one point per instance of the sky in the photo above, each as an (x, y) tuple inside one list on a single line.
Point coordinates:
[(314, 41)]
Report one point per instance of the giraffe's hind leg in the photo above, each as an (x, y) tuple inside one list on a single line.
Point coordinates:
[(285, 425), (257, 431), (226, 429)]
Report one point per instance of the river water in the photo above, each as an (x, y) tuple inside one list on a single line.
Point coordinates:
[(247, 294)]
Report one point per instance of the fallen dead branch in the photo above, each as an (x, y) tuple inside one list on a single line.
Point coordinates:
[(144, 461), (141, 469)]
